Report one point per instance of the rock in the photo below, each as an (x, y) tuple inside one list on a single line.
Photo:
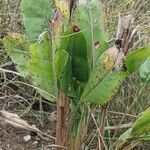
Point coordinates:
[(35, 143), (27, 138)]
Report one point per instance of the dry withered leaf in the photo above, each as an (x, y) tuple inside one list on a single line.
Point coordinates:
[(14, 120)]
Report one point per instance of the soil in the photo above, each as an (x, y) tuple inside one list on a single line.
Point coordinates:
[(12, 138)]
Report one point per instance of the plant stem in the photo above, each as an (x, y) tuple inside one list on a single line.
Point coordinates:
[(98, 131), (62, 109), (102, 126)]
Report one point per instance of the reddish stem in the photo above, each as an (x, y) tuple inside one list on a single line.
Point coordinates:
[(62, 109)]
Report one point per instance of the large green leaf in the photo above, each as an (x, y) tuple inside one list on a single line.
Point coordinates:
[(136, 58), (41, 67), (145, 71), (142, 125), (77, 65), (35, 14), (104, 90), (104, 79), (76, 68), (80, 66), (89, 18), (18, 48)]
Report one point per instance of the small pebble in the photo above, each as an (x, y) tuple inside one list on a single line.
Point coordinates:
[(27, 138), (35, 143)]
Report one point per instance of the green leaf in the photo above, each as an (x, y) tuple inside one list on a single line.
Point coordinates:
[(126, 135), (61, 58), (41, 67), (76, 46), (18, 48), (104, 91), (136, 58), (145, 137), (65, 39), (145, 71), (104, 79), (80, 66), (140, 129), (66, 78), (142, 125), (88, 17), (35, 14)]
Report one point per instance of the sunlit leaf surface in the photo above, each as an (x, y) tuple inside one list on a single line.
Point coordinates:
[(41, 67), (89, 18), (61, 58), (142, 125), (104, 79), (136, 58), (18, 48), (145, 71), (35, 14)]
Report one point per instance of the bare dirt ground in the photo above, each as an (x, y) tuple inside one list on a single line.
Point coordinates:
[(12, 138)]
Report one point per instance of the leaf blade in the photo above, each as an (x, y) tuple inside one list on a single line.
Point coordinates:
[(136, 58), (142, 124), (40, 67), (145, 71), (104, 79), (35, 15), (17, 47)]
